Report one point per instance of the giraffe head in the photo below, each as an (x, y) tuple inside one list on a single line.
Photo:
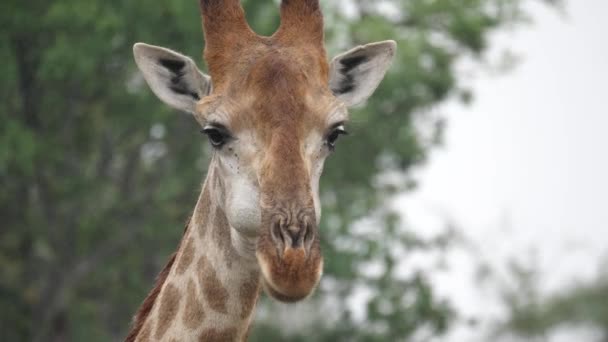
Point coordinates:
[(272, 108)]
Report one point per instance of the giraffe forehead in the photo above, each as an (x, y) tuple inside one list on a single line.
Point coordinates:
[(275, 92), (266, 56), (279, 77)]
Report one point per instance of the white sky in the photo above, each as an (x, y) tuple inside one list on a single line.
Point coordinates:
[(526, 165)]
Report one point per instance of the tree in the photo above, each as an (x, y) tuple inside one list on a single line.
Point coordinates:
[(533, 315), (97, 176)]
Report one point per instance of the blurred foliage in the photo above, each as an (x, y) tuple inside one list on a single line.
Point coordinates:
[(97, 176), (533, 315)]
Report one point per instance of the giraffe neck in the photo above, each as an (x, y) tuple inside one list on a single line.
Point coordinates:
[(211, 289)]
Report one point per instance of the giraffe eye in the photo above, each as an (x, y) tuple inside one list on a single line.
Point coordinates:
[(217, 136), (334, 135)]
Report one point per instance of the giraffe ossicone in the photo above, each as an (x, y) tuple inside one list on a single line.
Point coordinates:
[(272, 109)]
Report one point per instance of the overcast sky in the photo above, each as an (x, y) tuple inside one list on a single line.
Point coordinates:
[(526, 165)]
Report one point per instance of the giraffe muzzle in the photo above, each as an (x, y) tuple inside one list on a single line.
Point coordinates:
[(289, 255), (293, 235)]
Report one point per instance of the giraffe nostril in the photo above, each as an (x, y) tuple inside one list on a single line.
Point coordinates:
[(308, 236), (293, 235), (297, 233), (277, 235)]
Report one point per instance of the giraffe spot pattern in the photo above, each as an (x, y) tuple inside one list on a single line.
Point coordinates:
[(204, 209), (223, 335), (215, 293), (221, 236), (186, 258), (248, 293), (169, 305), (193, 314)]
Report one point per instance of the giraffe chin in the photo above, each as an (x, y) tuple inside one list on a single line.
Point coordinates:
[(292, 276)]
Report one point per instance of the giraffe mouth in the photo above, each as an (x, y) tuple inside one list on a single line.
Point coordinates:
[(292, 275), (291, 298)]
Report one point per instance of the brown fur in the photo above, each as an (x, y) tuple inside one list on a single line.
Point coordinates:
[(186, 257), (169, 304), (204, 206), (145, 332), (214, 335), (301, 21), (193, 313), (231, 45), (249, 294), (221, 236), (215, 293), (294, 274), (226, 34)]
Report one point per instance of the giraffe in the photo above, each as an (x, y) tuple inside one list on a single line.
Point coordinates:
[(272, 109)]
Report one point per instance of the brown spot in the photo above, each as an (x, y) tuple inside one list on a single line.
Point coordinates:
[(203, 208), (249, 294), (215, 293), (218, 335), (169, 304), (221, 236), (193, 314), (186, 257)]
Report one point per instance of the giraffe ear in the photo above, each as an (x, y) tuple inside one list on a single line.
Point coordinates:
[(173, 77), (355, 74)]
